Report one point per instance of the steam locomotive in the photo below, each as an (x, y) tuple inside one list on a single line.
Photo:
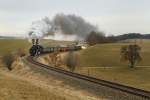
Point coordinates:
[(37, 49)]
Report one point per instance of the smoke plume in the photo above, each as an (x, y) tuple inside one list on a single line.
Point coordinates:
[(61, 23), (40, 28)]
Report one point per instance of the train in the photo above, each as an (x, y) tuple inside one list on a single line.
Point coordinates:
[(37, 49)]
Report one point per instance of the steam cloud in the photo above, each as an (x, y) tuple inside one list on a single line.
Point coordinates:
[(61, 23), (40, 29)]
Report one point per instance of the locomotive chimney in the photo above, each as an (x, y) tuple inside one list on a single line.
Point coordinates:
[(33, 41), (37, 41)]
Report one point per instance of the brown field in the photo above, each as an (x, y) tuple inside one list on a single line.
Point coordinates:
[(103, 61)]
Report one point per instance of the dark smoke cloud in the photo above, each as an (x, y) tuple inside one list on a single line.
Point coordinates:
[(61, 23), (72, 24)]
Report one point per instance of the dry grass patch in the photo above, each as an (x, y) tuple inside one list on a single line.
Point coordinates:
[(14, 89), (136, 77), (108, 55)]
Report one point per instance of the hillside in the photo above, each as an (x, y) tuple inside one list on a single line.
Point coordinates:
[(108, 55), (8, 37), (13, 88), (12, 45), (103, 61)]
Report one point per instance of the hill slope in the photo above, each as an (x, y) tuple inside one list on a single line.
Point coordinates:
[(103, 61), (108, 55), (11, 46)]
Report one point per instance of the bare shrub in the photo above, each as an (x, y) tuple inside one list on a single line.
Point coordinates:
[(71, 61), (8, 59), (21, 52), (54, 58)]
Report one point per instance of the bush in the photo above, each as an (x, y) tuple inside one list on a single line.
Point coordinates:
[(8, 59), (21, 52), (71, 61)]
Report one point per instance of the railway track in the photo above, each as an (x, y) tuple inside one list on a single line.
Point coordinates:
[(116, 86)]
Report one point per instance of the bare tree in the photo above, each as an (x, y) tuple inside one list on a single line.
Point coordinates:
[(8, 59), (131, 53), (71, 61)]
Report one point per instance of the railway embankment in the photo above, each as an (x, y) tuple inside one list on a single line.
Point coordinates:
[(91, 88)]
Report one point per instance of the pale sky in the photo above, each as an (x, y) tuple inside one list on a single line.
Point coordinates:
[(111, 16)]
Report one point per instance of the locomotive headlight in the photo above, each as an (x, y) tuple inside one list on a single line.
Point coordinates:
[(83, 47)]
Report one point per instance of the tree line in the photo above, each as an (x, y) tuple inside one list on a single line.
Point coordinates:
[(99, 37)]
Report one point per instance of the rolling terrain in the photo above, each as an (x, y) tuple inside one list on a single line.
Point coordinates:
[(103, 61), (108, 55), (100, 61), (12, 45)]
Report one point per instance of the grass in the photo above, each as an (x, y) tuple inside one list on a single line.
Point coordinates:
[(55, 42), (15, 89), (108, 55), (102, 55), (137, 77), (103, 61), (11, 46), (98, 58)]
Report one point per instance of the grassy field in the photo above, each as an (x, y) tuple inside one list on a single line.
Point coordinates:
[(12, 88), (55, 43), (11, 46), (96, 59), (108, 55), (136, 77)]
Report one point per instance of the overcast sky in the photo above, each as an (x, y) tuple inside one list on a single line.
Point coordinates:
[(111, 16)]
